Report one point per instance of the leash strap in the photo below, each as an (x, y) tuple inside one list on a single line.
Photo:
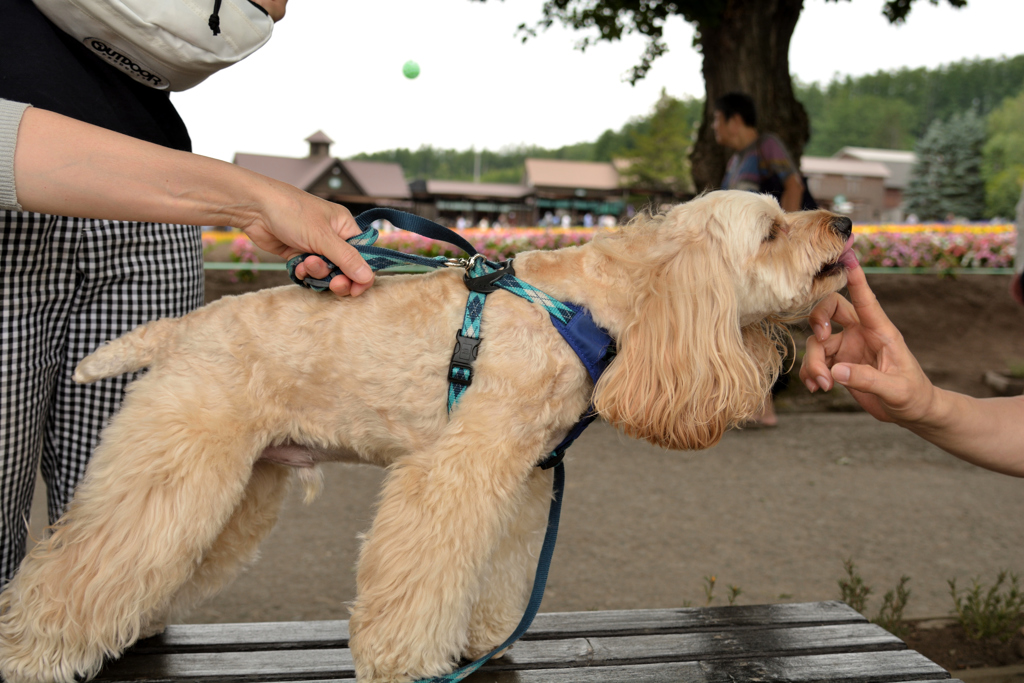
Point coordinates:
[(379, 258), (539, 582)]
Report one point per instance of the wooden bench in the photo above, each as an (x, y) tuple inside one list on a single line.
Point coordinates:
[(821, 641)]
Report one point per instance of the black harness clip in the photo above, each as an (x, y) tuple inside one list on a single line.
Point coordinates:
[(463, 356), (485, 283)]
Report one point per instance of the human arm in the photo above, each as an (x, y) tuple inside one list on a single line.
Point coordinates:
[(870, 358), (792, 193), (66, 167)]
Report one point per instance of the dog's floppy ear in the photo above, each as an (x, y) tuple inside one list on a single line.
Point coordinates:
[(685, 371)]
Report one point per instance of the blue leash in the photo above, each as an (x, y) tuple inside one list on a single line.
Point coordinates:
[(592, 344)]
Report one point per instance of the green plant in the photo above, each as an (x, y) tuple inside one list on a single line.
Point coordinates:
[(709, 588), (709, 591), (854, 592), (989, 613), (890, 616), (1015, 368), (852, 589)]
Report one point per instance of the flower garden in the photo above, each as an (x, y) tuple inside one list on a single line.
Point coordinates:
[(939, 247)]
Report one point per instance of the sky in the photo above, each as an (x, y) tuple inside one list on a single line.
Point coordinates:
[(336, 66)]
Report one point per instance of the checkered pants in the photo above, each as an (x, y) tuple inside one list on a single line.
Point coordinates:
[(66, 286)]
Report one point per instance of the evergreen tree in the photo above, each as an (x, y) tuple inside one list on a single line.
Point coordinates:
[(660, 154), (947, 180), (1003, 165)]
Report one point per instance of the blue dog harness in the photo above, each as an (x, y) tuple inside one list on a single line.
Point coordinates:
[(591, 343)]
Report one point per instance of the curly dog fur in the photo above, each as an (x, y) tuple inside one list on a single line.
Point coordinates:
[(189, 476)]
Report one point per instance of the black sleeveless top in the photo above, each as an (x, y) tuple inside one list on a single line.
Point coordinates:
[(43, 66)]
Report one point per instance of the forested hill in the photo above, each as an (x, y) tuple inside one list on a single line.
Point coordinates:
[(888, 109), (893, 109)]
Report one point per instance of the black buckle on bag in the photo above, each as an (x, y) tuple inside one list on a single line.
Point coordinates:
[(485, 283), (463, 356)]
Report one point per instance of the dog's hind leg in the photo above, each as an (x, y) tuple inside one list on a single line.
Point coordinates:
[(508, 579), (235, 547), (164, 481), (440, 518)]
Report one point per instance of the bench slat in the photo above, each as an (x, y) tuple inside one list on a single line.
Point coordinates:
[(556, 653), (334, 634), (698, 646), (862, 668), (878, 667)]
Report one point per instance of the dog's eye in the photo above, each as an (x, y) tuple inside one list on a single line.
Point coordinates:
[(773, 232)]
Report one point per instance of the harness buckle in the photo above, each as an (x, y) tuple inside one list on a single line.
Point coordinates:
[(485, 283), (460, 370), (456, 263)]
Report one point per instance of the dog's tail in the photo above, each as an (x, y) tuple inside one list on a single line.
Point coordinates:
[(127, 353)]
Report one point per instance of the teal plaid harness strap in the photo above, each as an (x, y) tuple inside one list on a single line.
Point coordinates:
[(593, 345)]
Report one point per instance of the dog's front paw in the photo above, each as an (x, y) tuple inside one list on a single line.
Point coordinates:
[(398, 650)]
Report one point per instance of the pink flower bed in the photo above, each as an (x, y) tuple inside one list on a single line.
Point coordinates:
[(940, 250)]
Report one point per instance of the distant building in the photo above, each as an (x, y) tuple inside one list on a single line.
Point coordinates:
[(900, 164), (446, 201), (848, 186), (574, 188), (553, 189), (359, 185)]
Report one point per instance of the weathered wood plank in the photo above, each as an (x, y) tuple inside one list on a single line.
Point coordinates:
[(671, 672), (876, 667), (891, 667), (283, 635), (630, 622), (334, 634), (698, 646), (798, 642), (281, 665), (556, 653)]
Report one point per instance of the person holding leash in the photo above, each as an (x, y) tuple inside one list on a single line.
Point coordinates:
[(89, 175)]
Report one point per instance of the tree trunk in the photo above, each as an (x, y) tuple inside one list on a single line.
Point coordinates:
[(747, 50)]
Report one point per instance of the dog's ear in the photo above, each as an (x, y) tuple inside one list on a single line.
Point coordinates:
[(685, 370)]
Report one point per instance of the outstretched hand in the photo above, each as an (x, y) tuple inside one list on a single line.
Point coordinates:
[(868, 357)]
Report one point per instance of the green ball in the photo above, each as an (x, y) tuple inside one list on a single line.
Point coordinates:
[(411, 69)]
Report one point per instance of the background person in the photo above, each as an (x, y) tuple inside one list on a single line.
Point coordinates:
[(755, 158), (85, 255)]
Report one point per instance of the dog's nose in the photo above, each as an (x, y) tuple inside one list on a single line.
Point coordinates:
[(842, 225)]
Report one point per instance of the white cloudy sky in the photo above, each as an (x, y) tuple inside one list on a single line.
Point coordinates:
[(336, 65)]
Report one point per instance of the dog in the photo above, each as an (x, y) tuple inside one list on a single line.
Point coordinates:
[(189, 476)]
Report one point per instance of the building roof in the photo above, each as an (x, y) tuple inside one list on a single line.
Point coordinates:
[(320, 137), (844, 167), (473, 190), (301, 173), (587, 175), (373, 178), (900, 163), (379, 178)]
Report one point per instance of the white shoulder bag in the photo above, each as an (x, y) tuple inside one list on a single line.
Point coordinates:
[(165, 44)]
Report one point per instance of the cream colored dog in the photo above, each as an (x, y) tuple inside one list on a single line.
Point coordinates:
[(189, 476)]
